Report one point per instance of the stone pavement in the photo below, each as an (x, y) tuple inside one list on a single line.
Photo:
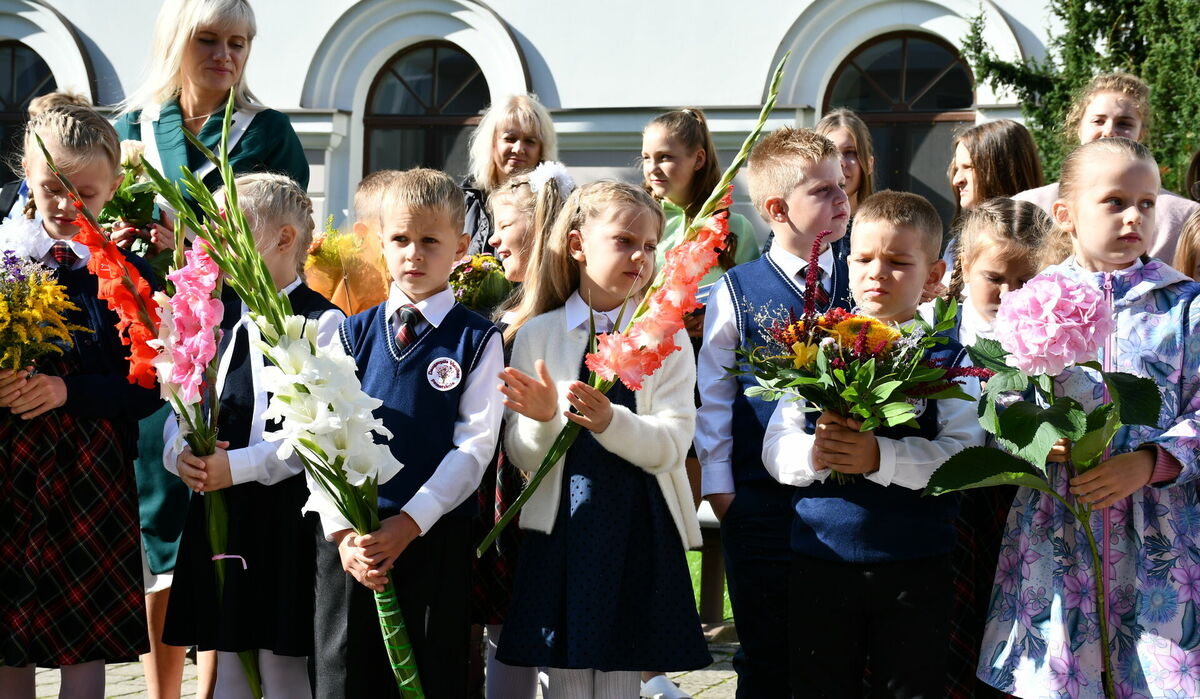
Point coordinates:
[(717, 681)]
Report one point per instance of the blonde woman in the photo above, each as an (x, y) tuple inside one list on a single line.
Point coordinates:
[(199, 53), (515, 135)]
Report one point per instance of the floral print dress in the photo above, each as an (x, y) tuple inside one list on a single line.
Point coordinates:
[(1043, 637)]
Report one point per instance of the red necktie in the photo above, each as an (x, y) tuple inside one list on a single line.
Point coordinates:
[(820, 295), (63, 254)]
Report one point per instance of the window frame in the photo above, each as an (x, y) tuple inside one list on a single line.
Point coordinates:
[(373, 122)]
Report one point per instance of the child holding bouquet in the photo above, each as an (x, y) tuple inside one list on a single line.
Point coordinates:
[(871, 557), (265, 604), (70, 568), (433, 363), (1042, 636), (796, 182), (602, 589)]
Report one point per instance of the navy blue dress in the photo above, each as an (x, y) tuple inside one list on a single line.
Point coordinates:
[(608, 589)]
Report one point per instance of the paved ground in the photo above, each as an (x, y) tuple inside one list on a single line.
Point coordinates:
[(714, 682)]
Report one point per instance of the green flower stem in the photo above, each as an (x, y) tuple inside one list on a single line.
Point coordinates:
[(566, 437), (395, 639), (1083, 515)]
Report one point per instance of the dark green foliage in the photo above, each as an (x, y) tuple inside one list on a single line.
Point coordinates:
[(1153, 39)]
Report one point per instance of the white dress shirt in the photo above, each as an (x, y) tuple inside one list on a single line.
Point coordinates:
[(714, 438), (578, 315), (907, 462), (258, 460), (475, 432)]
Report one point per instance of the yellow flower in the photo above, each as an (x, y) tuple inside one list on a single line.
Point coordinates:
[(846, 331), (804, 355)]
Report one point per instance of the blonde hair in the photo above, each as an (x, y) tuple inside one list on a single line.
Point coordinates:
[(1187, 250), (178, 21), (369, 195), (1019, 228), (540, 209), (271, 201), (904, 209), (427, 190), (1126, 84), (523, 111), (778, 163), (557, 274), (842, 118), (56, 99)]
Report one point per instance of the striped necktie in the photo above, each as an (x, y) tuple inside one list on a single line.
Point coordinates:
[(410, 317), (820, 295)]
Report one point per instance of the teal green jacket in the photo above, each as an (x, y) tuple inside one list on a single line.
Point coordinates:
[(270, 144)]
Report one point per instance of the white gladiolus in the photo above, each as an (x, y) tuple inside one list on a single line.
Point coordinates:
[(131, 154), (317, 397)]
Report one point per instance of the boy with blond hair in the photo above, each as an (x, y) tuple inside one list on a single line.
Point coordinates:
[(796, 184), (433, 363), (870, 556)]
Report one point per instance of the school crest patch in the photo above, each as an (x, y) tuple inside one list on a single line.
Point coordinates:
[(444, 373)]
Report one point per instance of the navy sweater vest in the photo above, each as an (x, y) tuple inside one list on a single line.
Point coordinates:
[(864, 522), (237, 395), (755, 287), (420, 415)]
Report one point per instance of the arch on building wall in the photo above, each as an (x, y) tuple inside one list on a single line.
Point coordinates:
[(828, 31), (43, 29)]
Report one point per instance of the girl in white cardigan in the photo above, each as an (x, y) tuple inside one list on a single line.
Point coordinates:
[(602, 588)]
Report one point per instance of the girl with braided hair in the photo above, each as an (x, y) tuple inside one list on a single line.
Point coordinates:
[(266, 604)]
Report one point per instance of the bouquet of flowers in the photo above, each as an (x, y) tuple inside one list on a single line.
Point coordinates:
[(133, 202), (479, 283), (327, 419), (1051, 325), (32, 308), (346, 269), (639, 350), (854, 365)]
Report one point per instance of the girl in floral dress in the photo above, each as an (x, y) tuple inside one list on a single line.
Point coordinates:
[(1042, 637)]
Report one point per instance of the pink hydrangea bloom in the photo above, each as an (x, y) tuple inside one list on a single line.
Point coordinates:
[(1051, 323), (197, 315)]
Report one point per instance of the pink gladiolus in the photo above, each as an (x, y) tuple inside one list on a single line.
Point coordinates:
[(651, 331), (689, 261), (1051, 323), (618, 357), (197, 315)]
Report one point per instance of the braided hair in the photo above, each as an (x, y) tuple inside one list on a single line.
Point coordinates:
[(1022, 228), (76, 135), (270, 201)]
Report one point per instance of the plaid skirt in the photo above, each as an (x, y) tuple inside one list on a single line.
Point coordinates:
[(70, 560)]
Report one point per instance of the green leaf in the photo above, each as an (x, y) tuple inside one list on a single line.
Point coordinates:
[(954, 392), (1033, 431), (1102, 426), (904, 418), (883, 391), (1019, 423), (1008, 381), (1068, 417), (988, 354), (869, 424), (1137, 397), (980, 467), (898, 407)]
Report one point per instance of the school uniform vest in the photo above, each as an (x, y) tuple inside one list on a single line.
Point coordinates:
[(237, 395), (756, 287), (420, 386), (865, 522)]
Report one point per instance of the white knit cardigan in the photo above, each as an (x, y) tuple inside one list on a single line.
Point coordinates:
[(655, 439)]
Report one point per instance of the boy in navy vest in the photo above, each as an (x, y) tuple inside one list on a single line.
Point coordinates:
[(434, 364), (796, 184), (871, 581)]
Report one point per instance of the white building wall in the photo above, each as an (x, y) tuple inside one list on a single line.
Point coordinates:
[(603, 68)]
